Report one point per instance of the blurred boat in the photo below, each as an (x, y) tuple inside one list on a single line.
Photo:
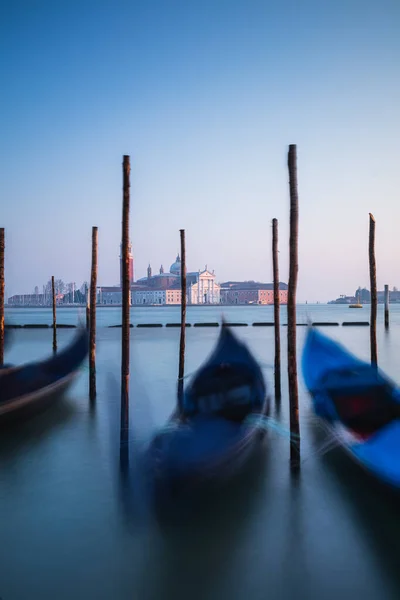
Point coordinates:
[(357, 403), (28, 389), (219, 426)]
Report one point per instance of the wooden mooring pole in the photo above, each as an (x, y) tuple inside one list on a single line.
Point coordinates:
[(181, 371), (53, 293), (124, 436), (275, 263), (291, 310), (2, 248), (374, 294), (386, 307), (92, 328)]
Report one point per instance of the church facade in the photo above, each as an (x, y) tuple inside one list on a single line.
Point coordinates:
[(165, 287), (203, 288)]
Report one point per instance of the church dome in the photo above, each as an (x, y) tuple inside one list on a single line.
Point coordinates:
[(175, 268)]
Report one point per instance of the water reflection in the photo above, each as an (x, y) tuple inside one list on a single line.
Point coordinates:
[(373, 506), (193, 553)]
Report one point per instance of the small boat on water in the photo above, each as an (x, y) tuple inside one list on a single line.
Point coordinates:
[(29, 388), (357, 403), (219, 425), (355, 306)]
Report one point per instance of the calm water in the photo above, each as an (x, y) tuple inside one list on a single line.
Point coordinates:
[(67, 531), (198, 314)]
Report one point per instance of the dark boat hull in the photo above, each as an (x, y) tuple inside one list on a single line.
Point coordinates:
[(210, 444), (33, 404), (182, 494), (29, 389)]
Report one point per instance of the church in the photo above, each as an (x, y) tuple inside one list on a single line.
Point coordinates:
[(165, 287)]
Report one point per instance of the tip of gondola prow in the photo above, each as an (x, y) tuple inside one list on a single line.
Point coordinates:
[(309, 327), (81, 326), (226, 331), (225, 325), (82, 333), (311, 332)]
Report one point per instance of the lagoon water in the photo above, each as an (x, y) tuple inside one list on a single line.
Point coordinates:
[(66, 531)]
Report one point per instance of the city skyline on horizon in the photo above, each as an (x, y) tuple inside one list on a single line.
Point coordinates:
[(142, 277), (213, 94)]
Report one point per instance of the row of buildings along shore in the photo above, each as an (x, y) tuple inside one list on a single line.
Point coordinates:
[(164, 288), (363, 296)]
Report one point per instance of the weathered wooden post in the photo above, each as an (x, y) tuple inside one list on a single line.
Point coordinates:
[(291, 309), (386, 307), (53, 293), (92, 330), (374, 294), (277, 372), (2, 248), (181, 371), (124, 434)]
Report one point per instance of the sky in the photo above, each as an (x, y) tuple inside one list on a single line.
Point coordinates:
[(205, 96)]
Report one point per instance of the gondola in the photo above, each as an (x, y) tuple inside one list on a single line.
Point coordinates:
[(218, 427), (30, 388), (357, 403)]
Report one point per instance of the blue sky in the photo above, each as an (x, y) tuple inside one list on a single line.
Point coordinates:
[(205, 96)]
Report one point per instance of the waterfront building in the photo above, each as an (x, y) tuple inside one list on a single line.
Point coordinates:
[(201, 286), (109, 295), (33, 299), (151, 296), (251, 292)]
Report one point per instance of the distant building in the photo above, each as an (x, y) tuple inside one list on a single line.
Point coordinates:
[(157, 296), (343, 300), (201, 286), (161, 280), (109, 295), (28, 300), (251, 292), (363, 296), (33, 299)]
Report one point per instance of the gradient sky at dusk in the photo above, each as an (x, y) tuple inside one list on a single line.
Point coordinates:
[(205, 96)]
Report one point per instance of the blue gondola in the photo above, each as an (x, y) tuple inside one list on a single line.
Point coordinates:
[(357, 403), (28, 389), (219, 424)]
